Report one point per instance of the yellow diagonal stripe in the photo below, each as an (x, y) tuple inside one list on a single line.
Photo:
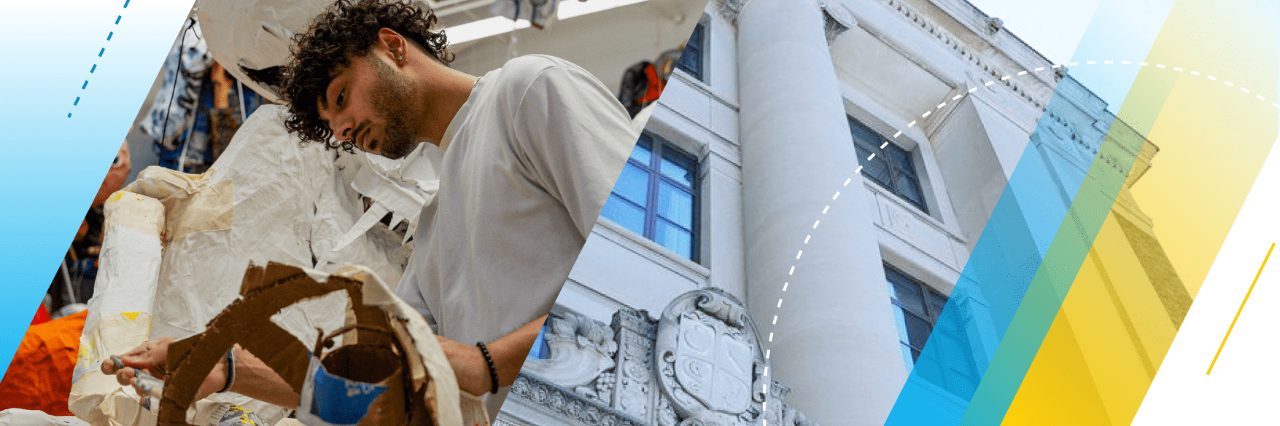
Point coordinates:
[(1207, 143), (1237, 318)]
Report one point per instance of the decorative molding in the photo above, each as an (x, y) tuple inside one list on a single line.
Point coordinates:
[(1068, 138), (994, 25), (730, 9), (568, 405), (988, 70), (635, 334), (656, 378), (832, 26), (836, 18)]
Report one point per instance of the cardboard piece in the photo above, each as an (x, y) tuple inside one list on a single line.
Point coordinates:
[(266, 291)]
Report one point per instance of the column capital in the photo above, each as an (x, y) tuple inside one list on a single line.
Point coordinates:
[(730, 9)]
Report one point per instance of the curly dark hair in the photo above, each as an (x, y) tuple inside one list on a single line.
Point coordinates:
[(346, 30)]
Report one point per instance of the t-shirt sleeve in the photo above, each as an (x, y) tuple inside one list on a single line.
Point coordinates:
[(574, 137)]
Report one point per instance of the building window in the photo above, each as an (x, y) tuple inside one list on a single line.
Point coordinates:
[(656, 197), (887, 164), (691, 60), (918, 312)]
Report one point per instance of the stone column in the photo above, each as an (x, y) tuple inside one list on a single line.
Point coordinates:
[(835, 341)]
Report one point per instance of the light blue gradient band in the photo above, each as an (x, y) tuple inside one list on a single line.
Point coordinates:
[(54, 163)]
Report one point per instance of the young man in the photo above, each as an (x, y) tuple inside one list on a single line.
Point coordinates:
[(531, 152)]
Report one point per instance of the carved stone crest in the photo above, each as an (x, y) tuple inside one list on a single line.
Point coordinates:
[(700, 364), (708, 354)]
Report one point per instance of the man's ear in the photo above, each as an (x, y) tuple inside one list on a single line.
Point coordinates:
[(390, 41)]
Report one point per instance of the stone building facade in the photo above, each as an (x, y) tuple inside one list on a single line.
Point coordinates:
[(769, 272)]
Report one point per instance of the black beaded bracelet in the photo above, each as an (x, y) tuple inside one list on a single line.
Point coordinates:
[(231, 370), (493, 372)]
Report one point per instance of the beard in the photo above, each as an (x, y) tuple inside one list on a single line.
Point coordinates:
[(393, 99)]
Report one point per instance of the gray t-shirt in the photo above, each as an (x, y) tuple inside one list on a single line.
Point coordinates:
[(528, 163)]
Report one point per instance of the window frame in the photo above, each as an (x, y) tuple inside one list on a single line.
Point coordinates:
[(928, 315), (908, 168), (703, 33), (933, 314), (658, 147)]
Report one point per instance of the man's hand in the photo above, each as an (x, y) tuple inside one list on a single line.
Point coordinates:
[(508, 355), (150, 357), (468, 364)]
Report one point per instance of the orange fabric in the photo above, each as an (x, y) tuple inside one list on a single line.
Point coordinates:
[(42, 316), (39, 378), (654, 89)]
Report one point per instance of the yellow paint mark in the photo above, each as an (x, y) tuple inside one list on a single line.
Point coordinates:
[(132, 316), (1238, 311)]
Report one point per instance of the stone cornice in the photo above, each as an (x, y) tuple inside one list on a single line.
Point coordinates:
[(987, 68), (1034, 90), (568, 405)]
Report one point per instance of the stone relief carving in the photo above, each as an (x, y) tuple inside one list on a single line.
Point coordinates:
[(994, 25), (580, 350), (700, 364), (666, 414), (601, 389), (635, 382), (730, 9), (785, 415), (708, 357)]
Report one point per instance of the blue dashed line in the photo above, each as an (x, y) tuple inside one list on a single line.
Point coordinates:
[(100, 52), (126, 4)]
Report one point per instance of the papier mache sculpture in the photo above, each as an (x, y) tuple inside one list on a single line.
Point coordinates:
[(176, 246), (388, 369)]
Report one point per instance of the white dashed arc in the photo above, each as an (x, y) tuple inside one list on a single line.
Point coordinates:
[(926, 114)]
